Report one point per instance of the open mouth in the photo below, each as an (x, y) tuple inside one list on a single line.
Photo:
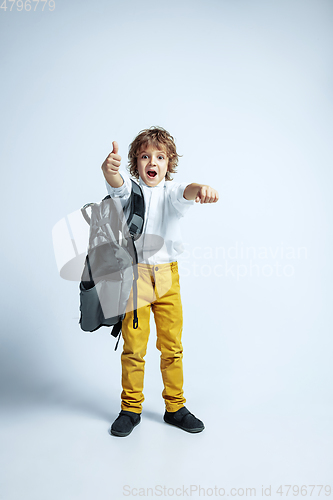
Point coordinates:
[(151, 174)]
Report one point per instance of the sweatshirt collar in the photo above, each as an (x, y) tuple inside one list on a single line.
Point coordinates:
[(160, 185)]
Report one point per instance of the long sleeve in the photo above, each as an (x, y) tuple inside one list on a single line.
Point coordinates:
[(179, 203)]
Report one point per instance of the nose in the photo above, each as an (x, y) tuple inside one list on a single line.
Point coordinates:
[(153, 161)]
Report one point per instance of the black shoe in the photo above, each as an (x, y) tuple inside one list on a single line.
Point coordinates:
[(125, 423), (184, 419)]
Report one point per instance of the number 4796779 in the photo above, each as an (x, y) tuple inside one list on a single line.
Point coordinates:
[(27, 5)]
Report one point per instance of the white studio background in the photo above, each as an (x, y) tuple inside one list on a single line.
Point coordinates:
[(245, 87)]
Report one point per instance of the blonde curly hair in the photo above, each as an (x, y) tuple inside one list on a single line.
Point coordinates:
[(159, 138)]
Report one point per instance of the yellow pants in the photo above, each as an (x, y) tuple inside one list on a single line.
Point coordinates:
[(159, 291)]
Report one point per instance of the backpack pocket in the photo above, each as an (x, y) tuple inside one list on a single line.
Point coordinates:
[(99, 305)]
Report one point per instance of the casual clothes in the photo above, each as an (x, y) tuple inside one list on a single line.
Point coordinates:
[(158, 290)]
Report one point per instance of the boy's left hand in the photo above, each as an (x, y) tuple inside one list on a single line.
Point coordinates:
[(206, 194)]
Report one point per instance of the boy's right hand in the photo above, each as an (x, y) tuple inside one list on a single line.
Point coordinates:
[(112, 163), (111, 166)]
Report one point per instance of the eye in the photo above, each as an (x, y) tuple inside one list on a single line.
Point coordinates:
[(161, 157), (144, 156)]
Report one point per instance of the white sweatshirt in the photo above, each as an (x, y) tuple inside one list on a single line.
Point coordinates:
[(165, 205)]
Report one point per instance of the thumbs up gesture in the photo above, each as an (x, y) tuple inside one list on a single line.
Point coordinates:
[(112, 162), (111, 165)]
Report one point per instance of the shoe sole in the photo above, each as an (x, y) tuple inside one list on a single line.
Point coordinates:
[(121, 434), (192, 431)]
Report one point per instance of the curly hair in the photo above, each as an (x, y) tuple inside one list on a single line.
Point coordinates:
[(157, 137)]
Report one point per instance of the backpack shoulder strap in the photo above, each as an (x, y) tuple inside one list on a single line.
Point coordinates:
[(135, 219), (136, 216)]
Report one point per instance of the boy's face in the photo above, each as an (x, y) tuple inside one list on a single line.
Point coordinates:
[(152, 164)]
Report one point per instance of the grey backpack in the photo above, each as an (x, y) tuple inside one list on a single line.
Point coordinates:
[(110, 268)]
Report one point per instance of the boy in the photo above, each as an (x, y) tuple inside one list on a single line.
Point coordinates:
[(152, 159)]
